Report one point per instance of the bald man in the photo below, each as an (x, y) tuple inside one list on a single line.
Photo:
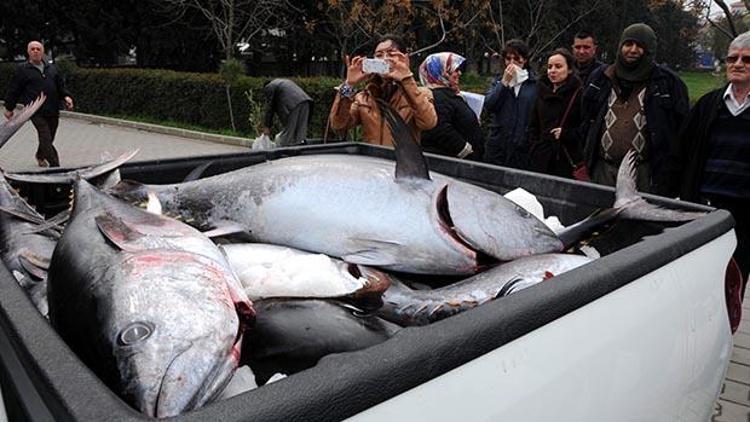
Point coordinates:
[(32, 77)]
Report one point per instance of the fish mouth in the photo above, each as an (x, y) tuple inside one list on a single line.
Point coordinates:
[(370, 297), (447, 227), (172, 398)]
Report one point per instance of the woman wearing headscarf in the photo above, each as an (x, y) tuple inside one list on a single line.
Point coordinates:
[(553, 135), (457, 132)]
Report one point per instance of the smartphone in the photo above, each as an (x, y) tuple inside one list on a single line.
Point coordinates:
[(379, 66)]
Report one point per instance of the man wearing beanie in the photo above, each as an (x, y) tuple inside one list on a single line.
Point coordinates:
[(635, 104)]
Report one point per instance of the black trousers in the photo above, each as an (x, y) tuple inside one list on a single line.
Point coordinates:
[(740, 209), (46, 127)]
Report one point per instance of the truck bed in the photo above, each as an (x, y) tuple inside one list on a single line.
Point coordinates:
[(639, 334)]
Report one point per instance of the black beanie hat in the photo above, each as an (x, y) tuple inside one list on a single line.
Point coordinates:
[(644, 36)]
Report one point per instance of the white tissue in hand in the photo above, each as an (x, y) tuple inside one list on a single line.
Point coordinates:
[(520, 76)]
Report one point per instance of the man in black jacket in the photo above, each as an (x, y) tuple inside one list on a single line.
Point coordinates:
[(292, 105), (716, 147), (584, 49), (32, 77), (635, 104)]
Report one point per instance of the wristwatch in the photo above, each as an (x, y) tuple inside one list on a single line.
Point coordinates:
[(347, 90)]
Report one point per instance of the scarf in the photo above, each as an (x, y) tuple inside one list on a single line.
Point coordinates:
[(435, 70), (640, 70)]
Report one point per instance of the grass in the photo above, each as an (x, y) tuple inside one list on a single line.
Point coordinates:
[(699, 83)]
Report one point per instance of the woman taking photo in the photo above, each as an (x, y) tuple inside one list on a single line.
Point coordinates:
[(457, 133), (553, 138)]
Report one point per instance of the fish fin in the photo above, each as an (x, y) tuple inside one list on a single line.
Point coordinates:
[(129, 190), (23, 215), (197, 172), (226, 228), (410, 162), (98, 172), (632, 206), (30, 264), (106, 180), (118, 232), (10, 127), (374, 252)]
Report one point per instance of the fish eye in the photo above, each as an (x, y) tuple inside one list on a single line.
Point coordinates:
[(134, 333)]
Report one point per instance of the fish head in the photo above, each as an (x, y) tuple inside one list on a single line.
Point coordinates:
[(492, 224), (173, 329)]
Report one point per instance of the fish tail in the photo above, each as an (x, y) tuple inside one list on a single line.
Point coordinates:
[(631, 205)]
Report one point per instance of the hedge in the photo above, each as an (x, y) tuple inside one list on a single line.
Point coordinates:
[(195, 99)]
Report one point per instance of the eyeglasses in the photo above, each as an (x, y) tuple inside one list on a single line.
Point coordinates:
[(734, 59)]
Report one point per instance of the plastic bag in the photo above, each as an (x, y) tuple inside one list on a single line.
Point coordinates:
[(263, 142)]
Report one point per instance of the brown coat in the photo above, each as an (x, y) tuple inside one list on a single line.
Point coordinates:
[(413, 103)]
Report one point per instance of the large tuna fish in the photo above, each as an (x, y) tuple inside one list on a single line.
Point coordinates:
[(354, 208), (149, 303), (291, 335), (405, 306), (271, 271), (25, 245)]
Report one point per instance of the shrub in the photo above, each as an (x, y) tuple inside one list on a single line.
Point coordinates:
[(192, 98)]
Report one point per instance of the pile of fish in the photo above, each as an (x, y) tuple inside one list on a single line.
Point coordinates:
[(328, 232)]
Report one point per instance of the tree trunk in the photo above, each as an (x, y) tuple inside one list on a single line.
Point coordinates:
[(229, 102)]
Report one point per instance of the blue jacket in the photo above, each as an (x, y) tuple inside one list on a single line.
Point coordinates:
[(506, 145)]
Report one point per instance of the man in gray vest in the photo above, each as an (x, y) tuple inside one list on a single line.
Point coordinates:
[(287, 100)]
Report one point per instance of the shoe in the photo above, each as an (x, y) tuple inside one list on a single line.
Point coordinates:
[(42, 162)]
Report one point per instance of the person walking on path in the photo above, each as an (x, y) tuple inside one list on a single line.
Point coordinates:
[(397, 87), (32, 77), (553, 138), (584, 50), (716, 148), (635, 104), (291, 103), (509, 101), (457, 133)]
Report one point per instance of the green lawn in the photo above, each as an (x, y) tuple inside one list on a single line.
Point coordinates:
[(699, 83)]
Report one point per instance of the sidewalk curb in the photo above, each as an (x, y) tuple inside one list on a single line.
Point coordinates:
[(149, 127), (165, 130)]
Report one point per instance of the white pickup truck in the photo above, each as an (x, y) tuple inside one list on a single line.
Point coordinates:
[(640, 334)]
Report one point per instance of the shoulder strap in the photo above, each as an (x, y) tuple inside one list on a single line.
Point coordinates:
[(570, 106)]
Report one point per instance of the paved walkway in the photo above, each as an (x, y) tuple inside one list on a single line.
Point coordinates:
[(80, 142), (734, 402)]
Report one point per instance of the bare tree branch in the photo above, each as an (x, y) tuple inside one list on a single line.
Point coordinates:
[(578, 18), (728, 14)]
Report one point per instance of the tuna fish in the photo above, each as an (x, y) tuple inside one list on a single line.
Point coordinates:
[(25, 245), (405, 306), (148, 303), (270, 271), (291, 335), (354, 208)]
